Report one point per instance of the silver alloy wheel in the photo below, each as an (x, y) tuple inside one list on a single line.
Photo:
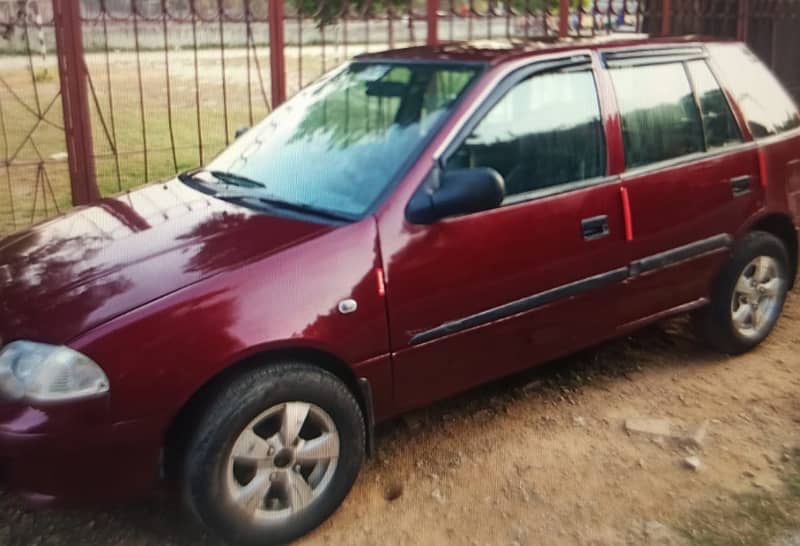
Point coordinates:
[(756, 297), (282, 461)]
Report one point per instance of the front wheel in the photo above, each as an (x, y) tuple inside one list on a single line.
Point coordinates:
[(748, 296), (274, 455)]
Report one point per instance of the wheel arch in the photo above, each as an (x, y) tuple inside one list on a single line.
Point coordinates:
[(180, 428), (781, 226)]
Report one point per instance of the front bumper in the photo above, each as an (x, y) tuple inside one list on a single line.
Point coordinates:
[(66, 454)]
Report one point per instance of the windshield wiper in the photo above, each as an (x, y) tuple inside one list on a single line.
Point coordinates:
[(208, 181), (274, 203), (234, 179)]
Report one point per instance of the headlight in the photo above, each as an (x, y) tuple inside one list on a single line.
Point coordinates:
[(48, 373)]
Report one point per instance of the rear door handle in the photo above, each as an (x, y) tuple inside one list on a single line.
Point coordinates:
[(741, 185), (595, 227)]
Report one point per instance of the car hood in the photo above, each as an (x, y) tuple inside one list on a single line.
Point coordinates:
[(63, 277)]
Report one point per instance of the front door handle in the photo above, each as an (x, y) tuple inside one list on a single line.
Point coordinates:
[(595, 227), (741, 185)]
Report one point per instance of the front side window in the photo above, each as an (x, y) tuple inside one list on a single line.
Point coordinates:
[(719, 125), (544, 132), (338, 144), (766, 106), (660, 120)]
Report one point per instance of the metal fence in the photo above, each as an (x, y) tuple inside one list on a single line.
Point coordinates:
[(99, 96)]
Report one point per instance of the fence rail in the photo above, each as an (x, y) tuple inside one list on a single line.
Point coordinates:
[(97, 96)]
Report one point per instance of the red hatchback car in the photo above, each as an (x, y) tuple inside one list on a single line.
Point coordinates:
[(414, 224)]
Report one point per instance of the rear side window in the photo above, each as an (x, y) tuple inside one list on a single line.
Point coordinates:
[(660, 119), (766, 106), (546, 131), (719, 125)]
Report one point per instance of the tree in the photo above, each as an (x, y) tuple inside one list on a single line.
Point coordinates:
[(327, 12)]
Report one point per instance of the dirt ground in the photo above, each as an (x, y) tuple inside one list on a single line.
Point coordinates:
[(544, 458)]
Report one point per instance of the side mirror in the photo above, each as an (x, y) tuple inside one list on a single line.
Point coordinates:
[(460, 191)]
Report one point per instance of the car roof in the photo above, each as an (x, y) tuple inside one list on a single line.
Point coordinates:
[(500, 51)]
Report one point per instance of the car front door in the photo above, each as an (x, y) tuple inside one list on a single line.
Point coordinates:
[(690, 178), (481, 295)]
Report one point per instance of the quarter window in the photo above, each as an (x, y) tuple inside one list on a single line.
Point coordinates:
[(765, 104), (659, 116), (545, 132), (719, 124)]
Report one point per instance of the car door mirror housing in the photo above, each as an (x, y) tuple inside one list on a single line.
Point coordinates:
[(458, 191)]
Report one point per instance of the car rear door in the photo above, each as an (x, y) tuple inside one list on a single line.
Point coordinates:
[(771, 116), (481, 295), (690, 176)]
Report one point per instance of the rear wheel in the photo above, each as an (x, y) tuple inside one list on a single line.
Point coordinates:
[(274, 455), (748, 296)]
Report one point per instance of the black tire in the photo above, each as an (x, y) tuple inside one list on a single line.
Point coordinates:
[(714, 322), (237, 404)]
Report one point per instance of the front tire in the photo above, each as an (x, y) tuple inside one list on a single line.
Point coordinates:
[(748, 296), (274, 454)]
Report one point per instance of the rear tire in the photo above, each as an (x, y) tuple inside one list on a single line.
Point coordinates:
[(748, 296), (274, 454)]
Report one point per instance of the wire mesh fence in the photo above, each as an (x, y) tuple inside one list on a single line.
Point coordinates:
[(168, 82), (35, 183)]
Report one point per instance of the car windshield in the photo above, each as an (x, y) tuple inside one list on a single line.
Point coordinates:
[(339, 143)]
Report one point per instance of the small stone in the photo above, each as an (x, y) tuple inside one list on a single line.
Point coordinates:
[(659, 428), (413, 421), (532, 386), (759, 484), (697, 437), (748, 474), (526, 496), (656, 533), (641, 463), (659, 441), (519, 533), (438, 497), (769, 458), (693, 463), (785, 458)]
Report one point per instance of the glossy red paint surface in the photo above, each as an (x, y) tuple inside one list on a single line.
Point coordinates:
[(166, 287)]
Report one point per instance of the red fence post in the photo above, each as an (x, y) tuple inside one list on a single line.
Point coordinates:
[(563, 18), (432, 7), (743, 20), (72, 74), (277, 58), (666, 17)]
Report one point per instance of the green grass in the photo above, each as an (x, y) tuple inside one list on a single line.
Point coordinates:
[(22, 182), (756, 518)]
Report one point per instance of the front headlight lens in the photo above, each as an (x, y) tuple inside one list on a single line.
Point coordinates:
[(42, 372)]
